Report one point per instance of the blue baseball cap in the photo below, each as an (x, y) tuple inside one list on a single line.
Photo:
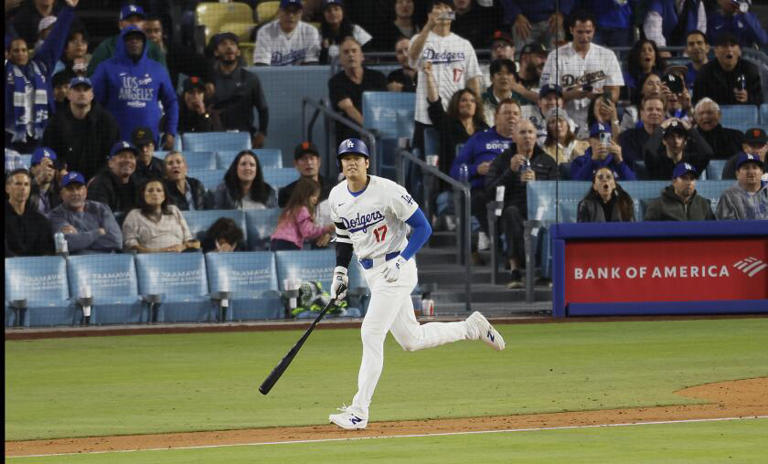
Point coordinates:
[(682, 169), (123, 145), (291, 3), (80, 80), (550, 88), (72, 177), (327, 3), (749, 158), (40, 153), (131, 10), (598, 128)]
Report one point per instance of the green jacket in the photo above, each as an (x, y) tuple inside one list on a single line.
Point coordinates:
[(106, 50), (669, 207)]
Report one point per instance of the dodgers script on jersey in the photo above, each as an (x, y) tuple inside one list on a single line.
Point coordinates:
[(453, 63), (276, 48), (375, 219)]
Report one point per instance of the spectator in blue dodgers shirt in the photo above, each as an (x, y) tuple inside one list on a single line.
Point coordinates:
[(674, 142), (536, 20), (27, 232), (679, 201), (729, 79), (668, 21), (147, 165), (748, 199), (131, 87), (88, 226), (478, 154), (583, 69), (603, 151), (116, 185), (755, 143), (734, 17), (29, 99), (45, 192), (287, 40), (237, 91), (454, 64), (523, 162), (615, 21)]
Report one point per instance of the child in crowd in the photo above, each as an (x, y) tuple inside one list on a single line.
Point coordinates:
[(297, 221)]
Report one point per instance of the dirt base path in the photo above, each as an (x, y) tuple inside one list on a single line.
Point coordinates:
[(742, 398)]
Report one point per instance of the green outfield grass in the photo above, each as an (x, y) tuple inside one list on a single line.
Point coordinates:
[(741, 441), (162, 383)]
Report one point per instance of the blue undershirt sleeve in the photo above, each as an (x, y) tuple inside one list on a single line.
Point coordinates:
[(421, 232)]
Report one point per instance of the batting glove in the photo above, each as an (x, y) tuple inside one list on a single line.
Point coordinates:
[(392, 268), (339, 283)]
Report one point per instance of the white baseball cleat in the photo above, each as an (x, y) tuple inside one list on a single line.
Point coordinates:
[(483, 330), (349, 418)]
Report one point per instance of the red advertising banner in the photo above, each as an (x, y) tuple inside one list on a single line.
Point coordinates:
[(666, 270)]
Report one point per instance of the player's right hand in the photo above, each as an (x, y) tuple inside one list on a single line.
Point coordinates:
[(339, 283)]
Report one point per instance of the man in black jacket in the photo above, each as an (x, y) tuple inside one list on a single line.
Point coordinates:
[(523, 162), (83, 132), (671, 143), (116, 185), (729, 80), (306, 160), (725, 143), (27, 232), (679, 201), (194, 116), (187, 193)]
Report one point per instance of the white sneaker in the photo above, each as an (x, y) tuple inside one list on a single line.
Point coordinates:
[(349, 418), (483, 330), (483, 242)]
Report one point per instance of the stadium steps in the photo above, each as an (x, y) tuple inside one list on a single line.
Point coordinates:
[(437, 267)]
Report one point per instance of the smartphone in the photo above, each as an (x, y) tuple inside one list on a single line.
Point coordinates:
[(674, 83), (605, 138)]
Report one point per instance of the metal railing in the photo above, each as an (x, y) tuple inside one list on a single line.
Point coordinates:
[(320, 108), (464, 231)]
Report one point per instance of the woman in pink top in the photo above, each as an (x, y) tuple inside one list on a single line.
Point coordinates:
[(297, 221)]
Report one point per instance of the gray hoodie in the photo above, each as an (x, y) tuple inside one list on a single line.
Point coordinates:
[(737, 203)]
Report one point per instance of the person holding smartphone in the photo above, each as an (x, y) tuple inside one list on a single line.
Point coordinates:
[(603, 151)]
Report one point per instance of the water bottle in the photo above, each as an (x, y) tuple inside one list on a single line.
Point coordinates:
[(464, 173), (61, 243), (741, 82)]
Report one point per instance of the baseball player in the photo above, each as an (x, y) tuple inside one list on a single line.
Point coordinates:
[(371, 214)]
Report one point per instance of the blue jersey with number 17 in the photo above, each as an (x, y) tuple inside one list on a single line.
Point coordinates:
[(373, 221)]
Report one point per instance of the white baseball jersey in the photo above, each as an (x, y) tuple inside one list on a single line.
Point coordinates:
[(276, 48), (571, 67), (454, 62), (374, 220), (359, 34)]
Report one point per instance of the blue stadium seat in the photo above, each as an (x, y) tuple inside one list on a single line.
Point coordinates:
[(180, 280), (213, 141), (280, 177), (113, 285), (715, 169), (390, 113), (738, 116), (268, 157), (42, 282), (764, 114), (200, 160), (211, 178), (306, 265), (431, 141), (712, 189), (542, 196), (260, 224), (252, 281), (200, 221)]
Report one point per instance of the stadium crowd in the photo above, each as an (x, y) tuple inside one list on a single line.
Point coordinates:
[(554, 101)]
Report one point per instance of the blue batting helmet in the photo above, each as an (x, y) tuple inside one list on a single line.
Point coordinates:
[(352, 145)]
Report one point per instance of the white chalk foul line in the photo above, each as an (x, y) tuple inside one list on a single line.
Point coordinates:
[(420, 435)]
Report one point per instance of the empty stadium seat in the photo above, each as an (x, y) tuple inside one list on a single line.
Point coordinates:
[(200, 160), (181, 283), (305, 265), (210, 178), (267, 11), (111, 279), (260, 224), (740, 117), (243, 29), (213, 15), (268, 157), (251, 279), (715, 169), (280, 177), (391, 114), (764, 114), (200, 221), (42, 282), (712, 189), (215, 141)]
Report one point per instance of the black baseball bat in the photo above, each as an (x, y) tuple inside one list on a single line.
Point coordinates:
[(278, 371)]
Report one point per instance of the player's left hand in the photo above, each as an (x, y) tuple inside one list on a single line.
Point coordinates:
[(392, 268)]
